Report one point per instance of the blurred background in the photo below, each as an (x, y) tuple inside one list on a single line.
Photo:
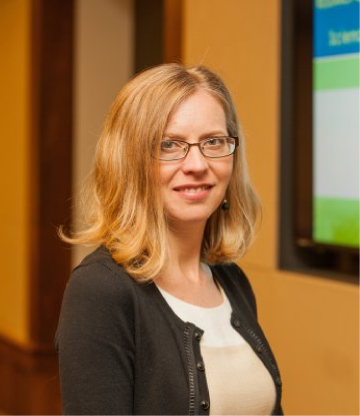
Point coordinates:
[(63, 62)]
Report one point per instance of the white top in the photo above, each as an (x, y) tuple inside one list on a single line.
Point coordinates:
[(238, 381)]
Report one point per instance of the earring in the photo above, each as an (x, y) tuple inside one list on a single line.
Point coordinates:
[(225, 206)]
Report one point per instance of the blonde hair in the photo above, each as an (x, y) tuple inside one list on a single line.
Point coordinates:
[(124, 209)]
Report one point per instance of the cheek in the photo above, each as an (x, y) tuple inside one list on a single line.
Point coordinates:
[(163, 174), (226, 172), (166, 173)]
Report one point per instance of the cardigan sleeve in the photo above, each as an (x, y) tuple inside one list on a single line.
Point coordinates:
[(95, 343)]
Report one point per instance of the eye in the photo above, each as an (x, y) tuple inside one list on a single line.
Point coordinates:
[(170, 146), (214, 142)]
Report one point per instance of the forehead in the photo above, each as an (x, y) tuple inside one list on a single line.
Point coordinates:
[(200, 111)]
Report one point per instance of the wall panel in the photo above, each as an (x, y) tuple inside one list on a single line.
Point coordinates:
[(14, 167)]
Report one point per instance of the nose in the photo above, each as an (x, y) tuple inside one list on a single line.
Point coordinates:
[(195, 161)]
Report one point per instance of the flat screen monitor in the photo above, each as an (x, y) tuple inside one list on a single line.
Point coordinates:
[(336, 122), (319, 174)]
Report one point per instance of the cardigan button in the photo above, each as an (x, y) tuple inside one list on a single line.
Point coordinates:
[(200, 366), (258, 348), (205, 404), (237, 323), (278, 381), (197, 336)]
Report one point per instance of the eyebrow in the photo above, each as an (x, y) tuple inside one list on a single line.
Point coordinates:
[(176, 136)]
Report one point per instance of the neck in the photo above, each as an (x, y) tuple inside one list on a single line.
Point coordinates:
[(185, 250), (184, 276), (185, 242)]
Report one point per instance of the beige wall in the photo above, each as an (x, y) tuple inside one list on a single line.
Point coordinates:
[(103, 63), (14, 168), (312, 323)]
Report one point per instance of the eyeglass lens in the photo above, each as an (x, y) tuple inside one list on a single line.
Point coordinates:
[(213, 147)]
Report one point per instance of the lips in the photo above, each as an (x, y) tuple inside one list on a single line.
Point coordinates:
[(193, 191)]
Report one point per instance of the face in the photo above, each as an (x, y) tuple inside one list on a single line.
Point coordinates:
[(194, 187)]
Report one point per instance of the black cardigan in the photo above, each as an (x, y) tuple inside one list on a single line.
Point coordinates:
[(122, 350)]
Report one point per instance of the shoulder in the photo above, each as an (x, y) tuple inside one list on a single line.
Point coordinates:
[(232, 274), (99, 298), (99, 274), (98, 287), (235, 283)]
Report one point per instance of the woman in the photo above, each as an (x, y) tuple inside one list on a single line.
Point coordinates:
[(158, 319)]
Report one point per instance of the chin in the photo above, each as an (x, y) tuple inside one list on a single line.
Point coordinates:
[(189, 217)]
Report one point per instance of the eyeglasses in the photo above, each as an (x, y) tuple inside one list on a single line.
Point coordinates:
[(212, 147)]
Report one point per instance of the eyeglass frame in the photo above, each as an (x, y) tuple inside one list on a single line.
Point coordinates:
[(198, 144)]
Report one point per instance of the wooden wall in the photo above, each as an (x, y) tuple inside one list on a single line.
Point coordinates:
[(37, 106), (63, 64)]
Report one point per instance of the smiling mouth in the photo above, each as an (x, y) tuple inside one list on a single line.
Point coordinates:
[(193, 189)]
